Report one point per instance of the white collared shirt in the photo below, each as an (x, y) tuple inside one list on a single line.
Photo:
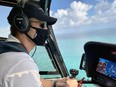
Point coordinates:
[(17, 69), (11, 38)]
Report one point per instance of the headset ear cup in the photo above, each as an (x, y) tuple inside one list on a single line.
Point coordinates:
[(21, 22)]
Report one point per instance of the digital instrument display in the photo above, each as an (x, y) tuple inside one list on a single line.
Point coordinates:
[(107, 68)]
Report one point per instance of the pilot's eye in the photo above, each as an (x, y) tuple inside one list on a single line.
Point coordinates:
[(43, 24)]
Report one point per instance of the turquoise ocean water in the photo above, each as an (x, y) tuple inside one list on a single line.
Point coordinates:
[(72, 49)]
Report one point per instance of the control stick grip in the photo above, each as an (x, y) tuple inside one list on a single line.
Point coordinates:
[(74, 73)]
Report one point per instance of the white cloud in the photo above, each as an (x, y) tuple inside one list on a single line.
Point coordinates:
[(102, 6), (74, 16), (61, 13), (78, 15), (105, 12)]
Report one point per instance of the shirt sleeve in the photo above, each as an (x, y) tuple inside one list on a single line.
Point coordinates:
[(23, 74)]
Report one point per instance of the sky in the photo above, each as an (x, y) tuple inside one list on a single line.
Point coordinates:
[(75, 16), (84, 15)]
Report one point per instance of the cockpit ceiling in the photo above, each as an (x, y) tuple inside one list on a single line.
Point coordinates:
[(8, 2), (12, 2), (45, 4)]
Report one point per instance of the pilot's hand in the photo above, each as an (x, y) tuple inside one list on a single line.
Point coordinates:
[(67, 82), (72, 83)]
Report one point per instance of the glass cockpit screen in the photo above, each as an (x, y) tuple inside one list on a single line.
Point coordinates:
[(107, 68)]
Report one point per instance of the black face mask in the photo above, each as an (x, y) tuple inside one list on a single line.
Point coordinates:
[(41, 37)]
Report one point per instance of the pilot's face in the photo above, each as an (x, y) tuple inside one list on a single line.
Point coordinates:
[(37, 24)]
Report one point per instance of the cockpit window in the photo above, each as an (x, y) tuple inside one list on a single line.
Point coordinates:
[(4, 26), (80, 21), (43, 60), (44, 63)]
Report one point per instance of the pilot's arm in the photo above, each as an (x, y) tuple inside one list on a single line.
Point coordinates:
[(63, 82)]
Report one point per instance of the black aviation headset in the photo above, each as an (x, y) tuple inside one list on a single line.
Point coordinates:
[(21, 21)]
